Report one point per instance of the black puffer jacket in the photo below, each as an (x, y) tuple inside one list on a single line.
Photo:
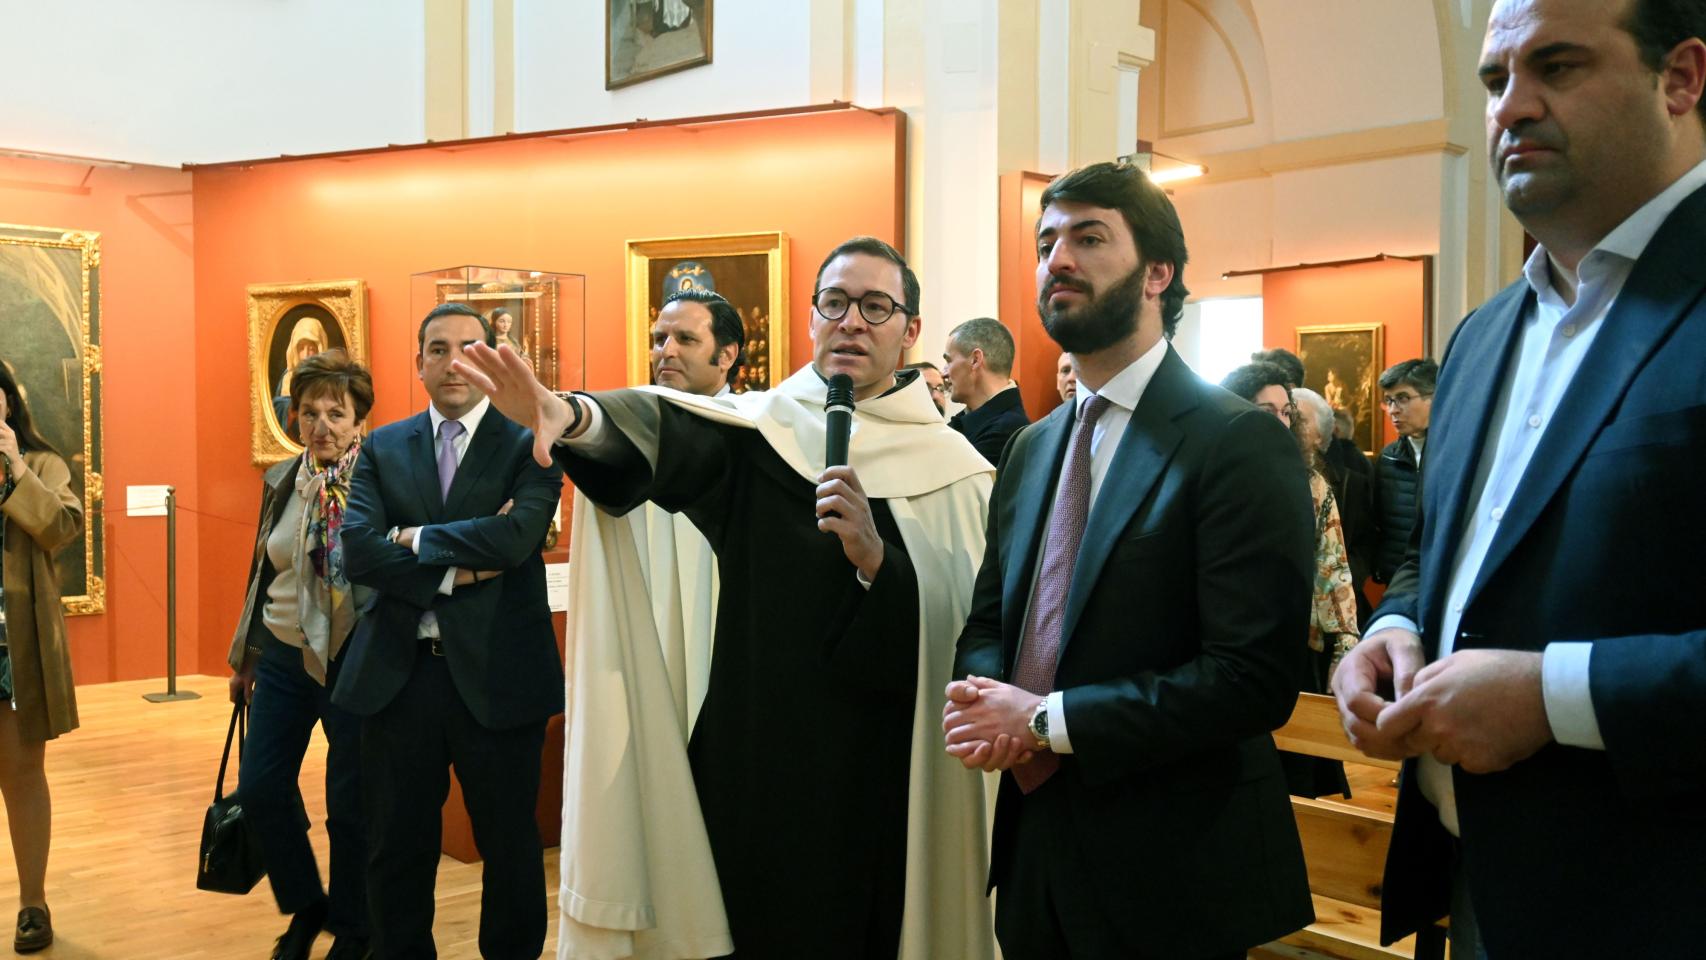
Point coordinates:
[(1397, 492)]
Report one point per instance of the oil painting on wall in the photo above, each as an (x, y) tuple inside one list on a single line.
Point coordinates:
[(1343, 365), (288, 323), (50, 312)]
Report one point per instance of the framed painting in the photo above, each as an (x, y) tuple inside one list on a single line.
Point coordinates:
[(288, 323), (649, 38), (750, 270), (1343, 364), (50, 310)]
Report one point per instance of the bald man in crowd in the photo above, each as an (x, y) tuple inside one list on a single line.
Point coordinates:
[(1065, 378), (978, 363)]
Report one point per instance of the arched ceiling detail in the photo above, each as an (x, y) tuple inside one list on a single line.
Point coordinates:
[(1203, 82), (1212, 75)]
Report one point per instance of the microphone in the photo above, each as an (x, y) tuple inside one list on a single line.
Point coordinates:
[(839, 407)]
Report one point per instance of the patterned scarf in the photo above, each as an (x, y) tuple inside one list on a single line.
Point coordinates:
[(325, 518)]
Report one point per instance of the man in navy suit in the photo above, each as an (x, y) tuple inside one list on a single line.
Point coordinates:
[(1556, 736), (456, 663)]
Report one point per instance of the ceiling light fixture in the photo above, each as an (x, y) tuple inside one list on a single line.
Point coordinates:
[(1145, 157)]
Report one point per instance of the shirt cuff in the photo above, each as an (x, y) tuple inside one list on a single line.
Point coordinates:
[(595, 428), (1569, 701), (448, 585), (1058, 741), (859, 575), (415, 544), (1392, 620)]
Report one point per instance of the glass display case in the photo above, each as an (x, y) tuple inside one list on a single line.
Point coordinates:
[(539, 313)]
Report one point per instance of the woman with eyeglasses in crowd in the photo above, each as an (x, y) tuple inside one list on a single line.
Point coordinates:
[(1332, 611)]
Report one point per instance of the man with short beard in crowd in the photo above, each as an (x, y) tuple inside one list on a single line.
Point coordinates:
[(1139, 622)]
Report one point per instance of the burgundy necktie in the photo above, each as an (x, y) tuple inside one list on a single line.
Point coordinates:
[(448, 431), (1039, 649)]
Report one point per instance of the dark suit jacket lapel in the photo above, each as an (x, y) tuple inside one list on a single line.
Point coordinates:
[(1661, 288), (475, 460), (1033, 500), (1148, 445), (424, 464), (1479, 360)]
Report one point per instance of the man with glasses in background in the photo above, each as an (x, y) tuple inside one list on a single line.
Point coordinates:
[(1408, 389), (933, 380), (842, 593)]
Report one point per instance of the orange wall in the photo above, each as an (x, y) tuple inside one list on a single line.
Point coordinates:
[(567, 204), (1036, 352), (150, 436), (1391, 292)]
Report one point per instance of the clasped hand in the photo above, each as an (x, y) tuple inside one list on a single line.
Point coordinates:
[(987, 723), (1483, 710)]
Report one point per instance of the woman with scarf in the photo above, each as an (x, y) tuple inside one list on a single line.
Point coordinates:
[(299, 612), (38, 515)]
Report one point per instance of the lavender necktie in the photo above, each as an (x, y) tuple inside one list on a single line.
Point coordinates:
[(1039, 650), (448, 431)]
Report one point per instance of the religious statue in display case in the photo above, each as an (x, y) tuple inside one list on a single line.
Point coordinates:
[(540, 314)]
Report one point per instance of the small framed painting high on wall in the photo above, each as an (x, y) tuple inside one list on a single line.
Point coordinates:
[(649, 38)]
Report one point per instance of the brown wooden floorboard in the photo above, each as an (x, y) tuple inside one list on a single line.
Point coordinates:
[(129, 791)]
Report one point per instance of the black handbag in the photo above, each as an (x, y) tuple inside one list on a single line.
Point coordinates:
[(230, 852)]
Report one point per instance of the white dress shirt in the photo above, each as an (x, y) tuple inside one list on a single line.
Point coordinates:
[(1555, 339), (1123, 392), (470, 422)]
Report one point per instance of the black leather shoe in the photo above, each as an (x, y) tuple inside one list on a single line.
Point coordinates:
[(350, 948), (298, 939), (35, 930)]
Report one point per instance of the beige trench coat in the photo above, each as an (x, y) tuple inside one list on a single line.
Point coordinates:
[(41, 516)]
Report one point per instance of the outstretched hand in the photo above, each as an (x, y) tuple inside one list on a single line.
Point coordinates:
[(504, 376)]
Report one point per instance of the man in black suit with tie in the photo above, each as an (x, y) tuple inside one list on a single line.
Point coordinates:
[(1139, 621), (1556, 738), (456, 662)]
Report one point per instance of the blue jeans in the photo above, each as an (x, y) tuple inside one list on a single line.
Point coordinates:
[(285, 706)]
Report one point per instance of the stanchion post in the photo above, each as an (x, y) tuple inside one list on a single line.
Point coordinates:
[(172, 691)]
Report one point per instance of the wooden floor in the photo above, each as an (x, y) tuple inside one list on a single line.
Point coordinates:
[(129, 791)]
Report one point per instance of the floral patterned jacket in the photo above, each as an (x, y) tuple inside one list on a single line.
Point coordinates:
[(1333, 617)]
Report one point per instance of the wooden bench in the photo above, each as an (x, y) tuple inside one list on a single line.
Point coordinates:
[(1344, 848)]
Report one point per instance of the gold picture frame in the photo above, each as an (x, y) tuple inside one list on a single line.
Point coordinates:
[(754, 268), (50, 306), (336, 309), (1343, 363), (640, 42)]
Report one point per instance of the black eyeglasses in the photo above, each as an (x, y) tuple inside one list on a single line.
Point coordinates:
[(875, 306), (1398, 401)]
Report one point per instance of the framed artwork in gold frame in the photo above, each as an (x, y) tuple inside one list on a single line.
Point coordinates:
[(1343, 363), (749, 269), (289, 322), (50, 338)]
